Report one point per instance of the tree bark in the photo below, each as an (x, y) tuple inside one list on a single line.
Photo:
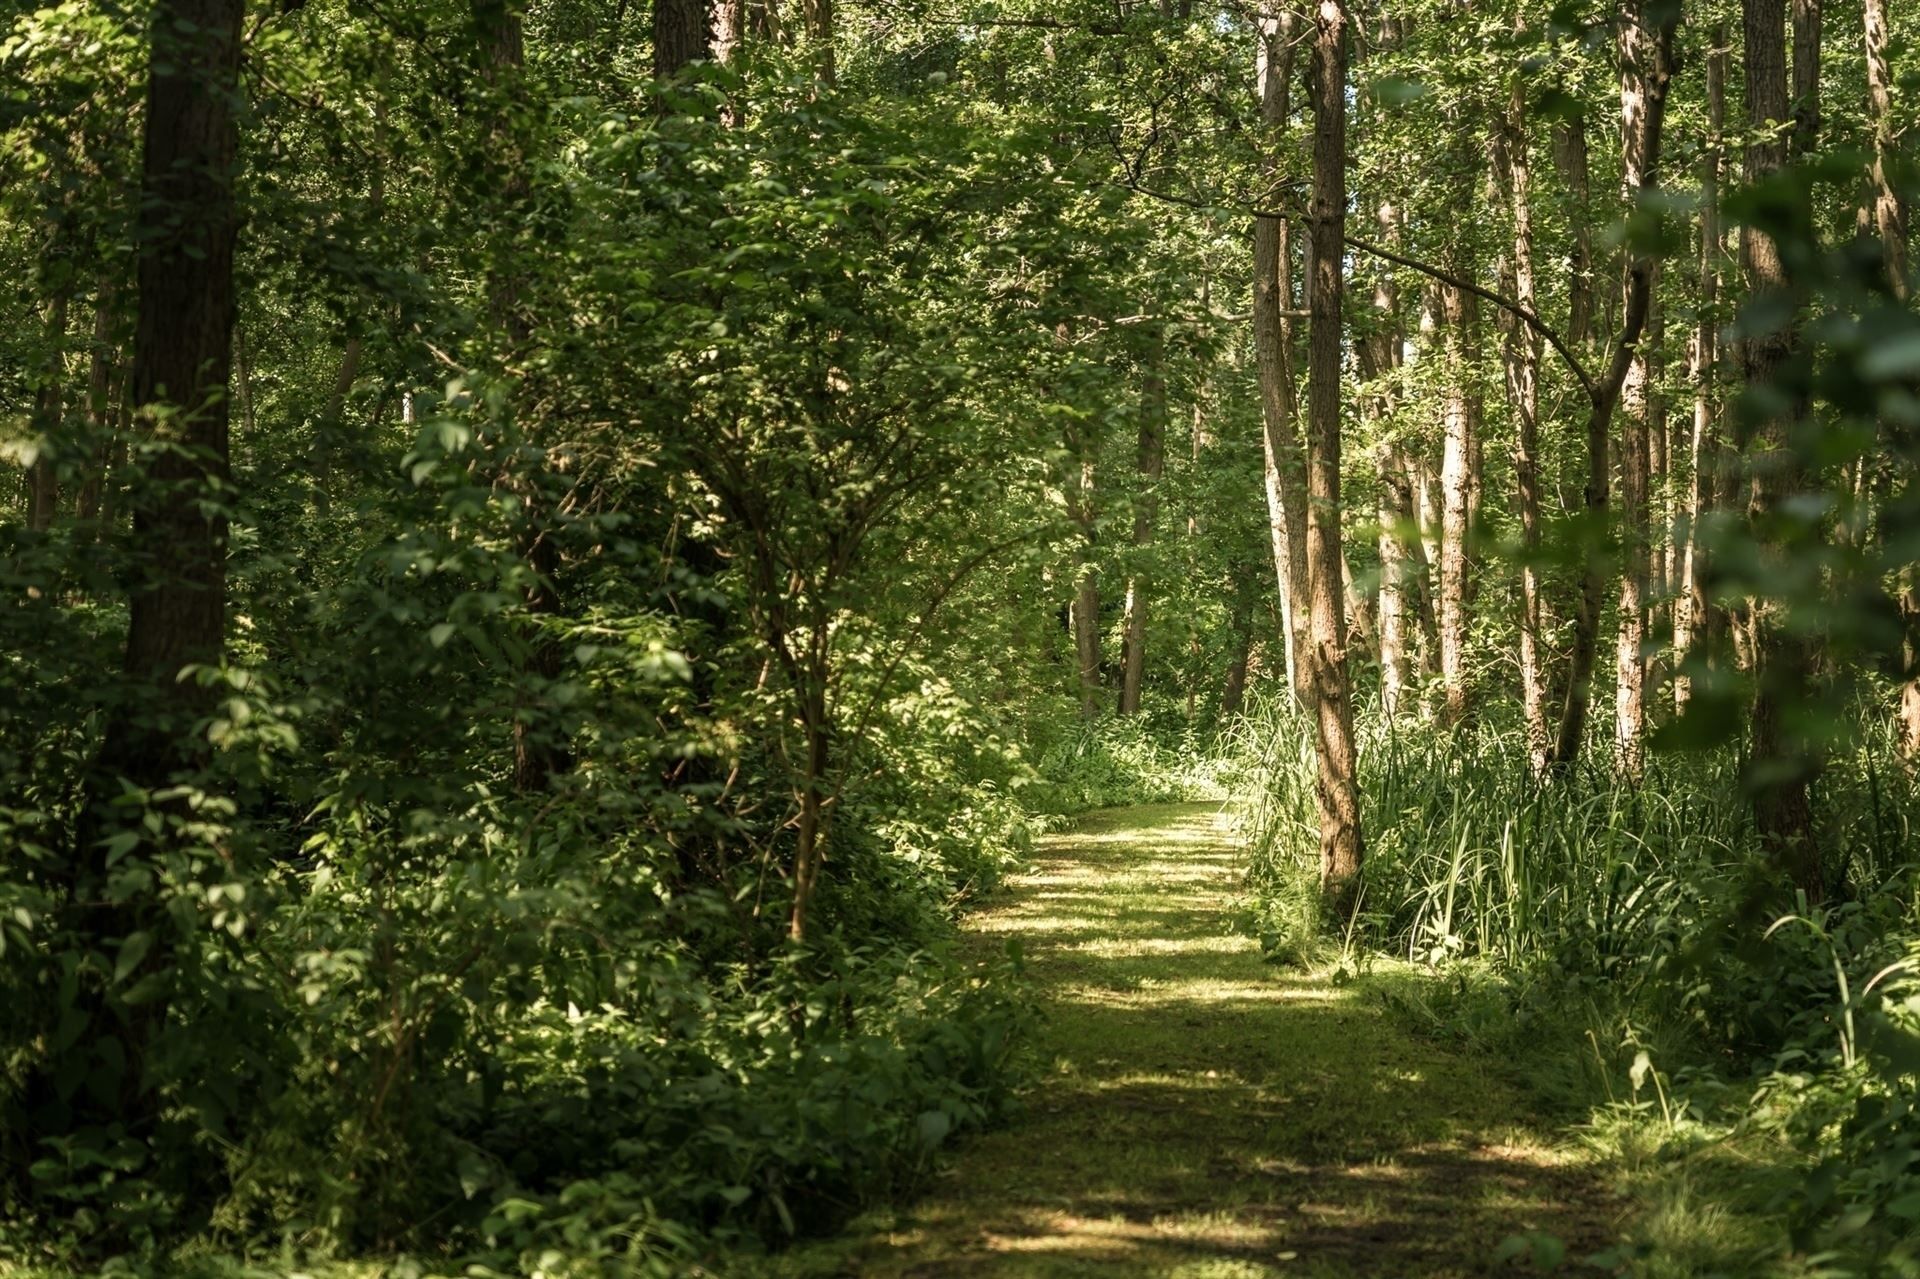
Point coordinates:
[(1889, 210), (1630, 665), (49, 412), (1151, 461), (682, 34), (1693, 615), (1647, 62), (1456, 489), (1086, 595), (181, 353), (1780, 761), (1273, 340), (92, 501), (1523, 352), (1571, 157), (1338, 792)]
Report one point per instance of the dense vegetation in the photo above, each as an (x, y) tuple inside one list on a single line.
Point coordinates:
[(554, 547)]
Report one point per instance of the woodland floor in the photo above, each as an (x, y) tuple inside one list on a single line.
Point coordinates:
[(1203, 1114)]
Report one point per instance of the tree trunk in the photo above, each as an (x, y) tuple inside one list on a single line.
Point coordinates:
[(1647, 64), (818, 15), (1151, 461), (1456, 511), (1890, 223), (1639, 62), (1630, 665), (100, 412), (1889, 210), (1284, 466), (1571, 158), (1523, 351), (1086, 597), (682, 31), (1233, 695), (49, 412), (181, 352), (1781, 762), (1338, 792), (1693, 615)]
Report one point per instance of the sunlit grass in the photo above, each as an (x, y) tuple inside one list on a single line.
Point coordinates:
[(1202, 1113)]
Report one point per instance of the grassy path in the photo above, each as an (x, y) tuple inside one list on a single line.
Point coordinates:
[(1204, 1115)]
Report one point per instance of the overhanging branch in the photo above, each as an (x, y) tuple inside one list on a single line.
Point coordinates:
[(1526, 315)]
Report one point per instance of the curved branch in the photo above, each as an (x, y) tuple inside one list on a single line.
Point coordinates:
[(1525, 315)]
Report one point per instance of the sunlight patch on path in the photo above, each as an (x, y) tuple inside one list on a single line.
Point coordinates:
[(1205, 1115)]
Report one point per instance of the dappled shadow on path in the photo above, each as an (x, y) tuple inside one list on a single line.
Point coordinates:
[(1202, 1115)]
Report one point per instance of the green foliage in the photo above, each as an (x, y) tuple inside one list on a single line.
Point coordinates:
[(1619, 946)]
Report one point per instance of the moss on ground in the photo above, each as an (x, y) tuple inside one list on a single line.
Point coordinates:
[(1202, 1114)]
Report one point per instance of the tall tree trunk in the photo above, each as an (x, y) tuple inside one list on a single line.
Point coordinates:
[(1693, 614), (1273, 340), (1151, 461), (1572, 160), (1380, 354), (181, 351), (1523, 351), (1639, 62), (1890, 223), (1086, 594), (818, 15), (1338, 791), (1647, 62), (1456, 488), (1889, 210), (1781, 761), (1806, 76), (1233, 694), (1630, 664), (100, 412), (49, 412)]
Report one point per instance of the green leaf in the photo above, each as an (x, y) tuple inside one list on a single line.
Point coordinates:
[(132, 951)]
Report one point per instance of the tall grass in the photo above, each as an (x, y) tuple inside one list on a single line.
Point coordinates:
[(1628, 947)]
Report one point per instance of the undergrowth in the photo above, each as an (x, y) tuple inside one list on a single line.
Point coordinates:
[(1749, 1061)]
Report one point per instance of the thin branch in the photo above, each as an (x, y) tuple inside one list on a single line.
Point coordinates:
[(1525, 314)]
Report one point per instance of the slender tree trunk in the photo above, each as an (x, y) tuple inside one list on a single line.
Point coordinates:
[(1394, 515), (329, 424), (1523, 351), (1086, 596), (1647, 64), (818, 16), (1571, 158), (1630, 665), (1781, 761), (1233, 695), (1273, 339), (1890, 223), (49, 412), (1338, 792), (1889, 210), (1456, 514), (100, 415), (1151, 461), (1693, 614), (810, 825), (1380, 354)]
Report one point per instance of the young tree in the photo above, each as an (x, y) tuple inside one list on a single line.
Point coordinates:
[(1338, 792)]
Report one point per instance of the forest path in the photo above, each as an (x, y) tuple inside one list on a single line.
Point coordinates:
[(1205, 1115)]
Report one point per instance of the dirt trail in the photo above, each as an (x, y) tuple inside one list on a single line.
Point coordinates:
[(1204, 1115)]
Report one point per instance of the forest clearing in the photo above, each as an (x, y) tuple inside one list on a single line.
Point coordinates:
[(906, 638)]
